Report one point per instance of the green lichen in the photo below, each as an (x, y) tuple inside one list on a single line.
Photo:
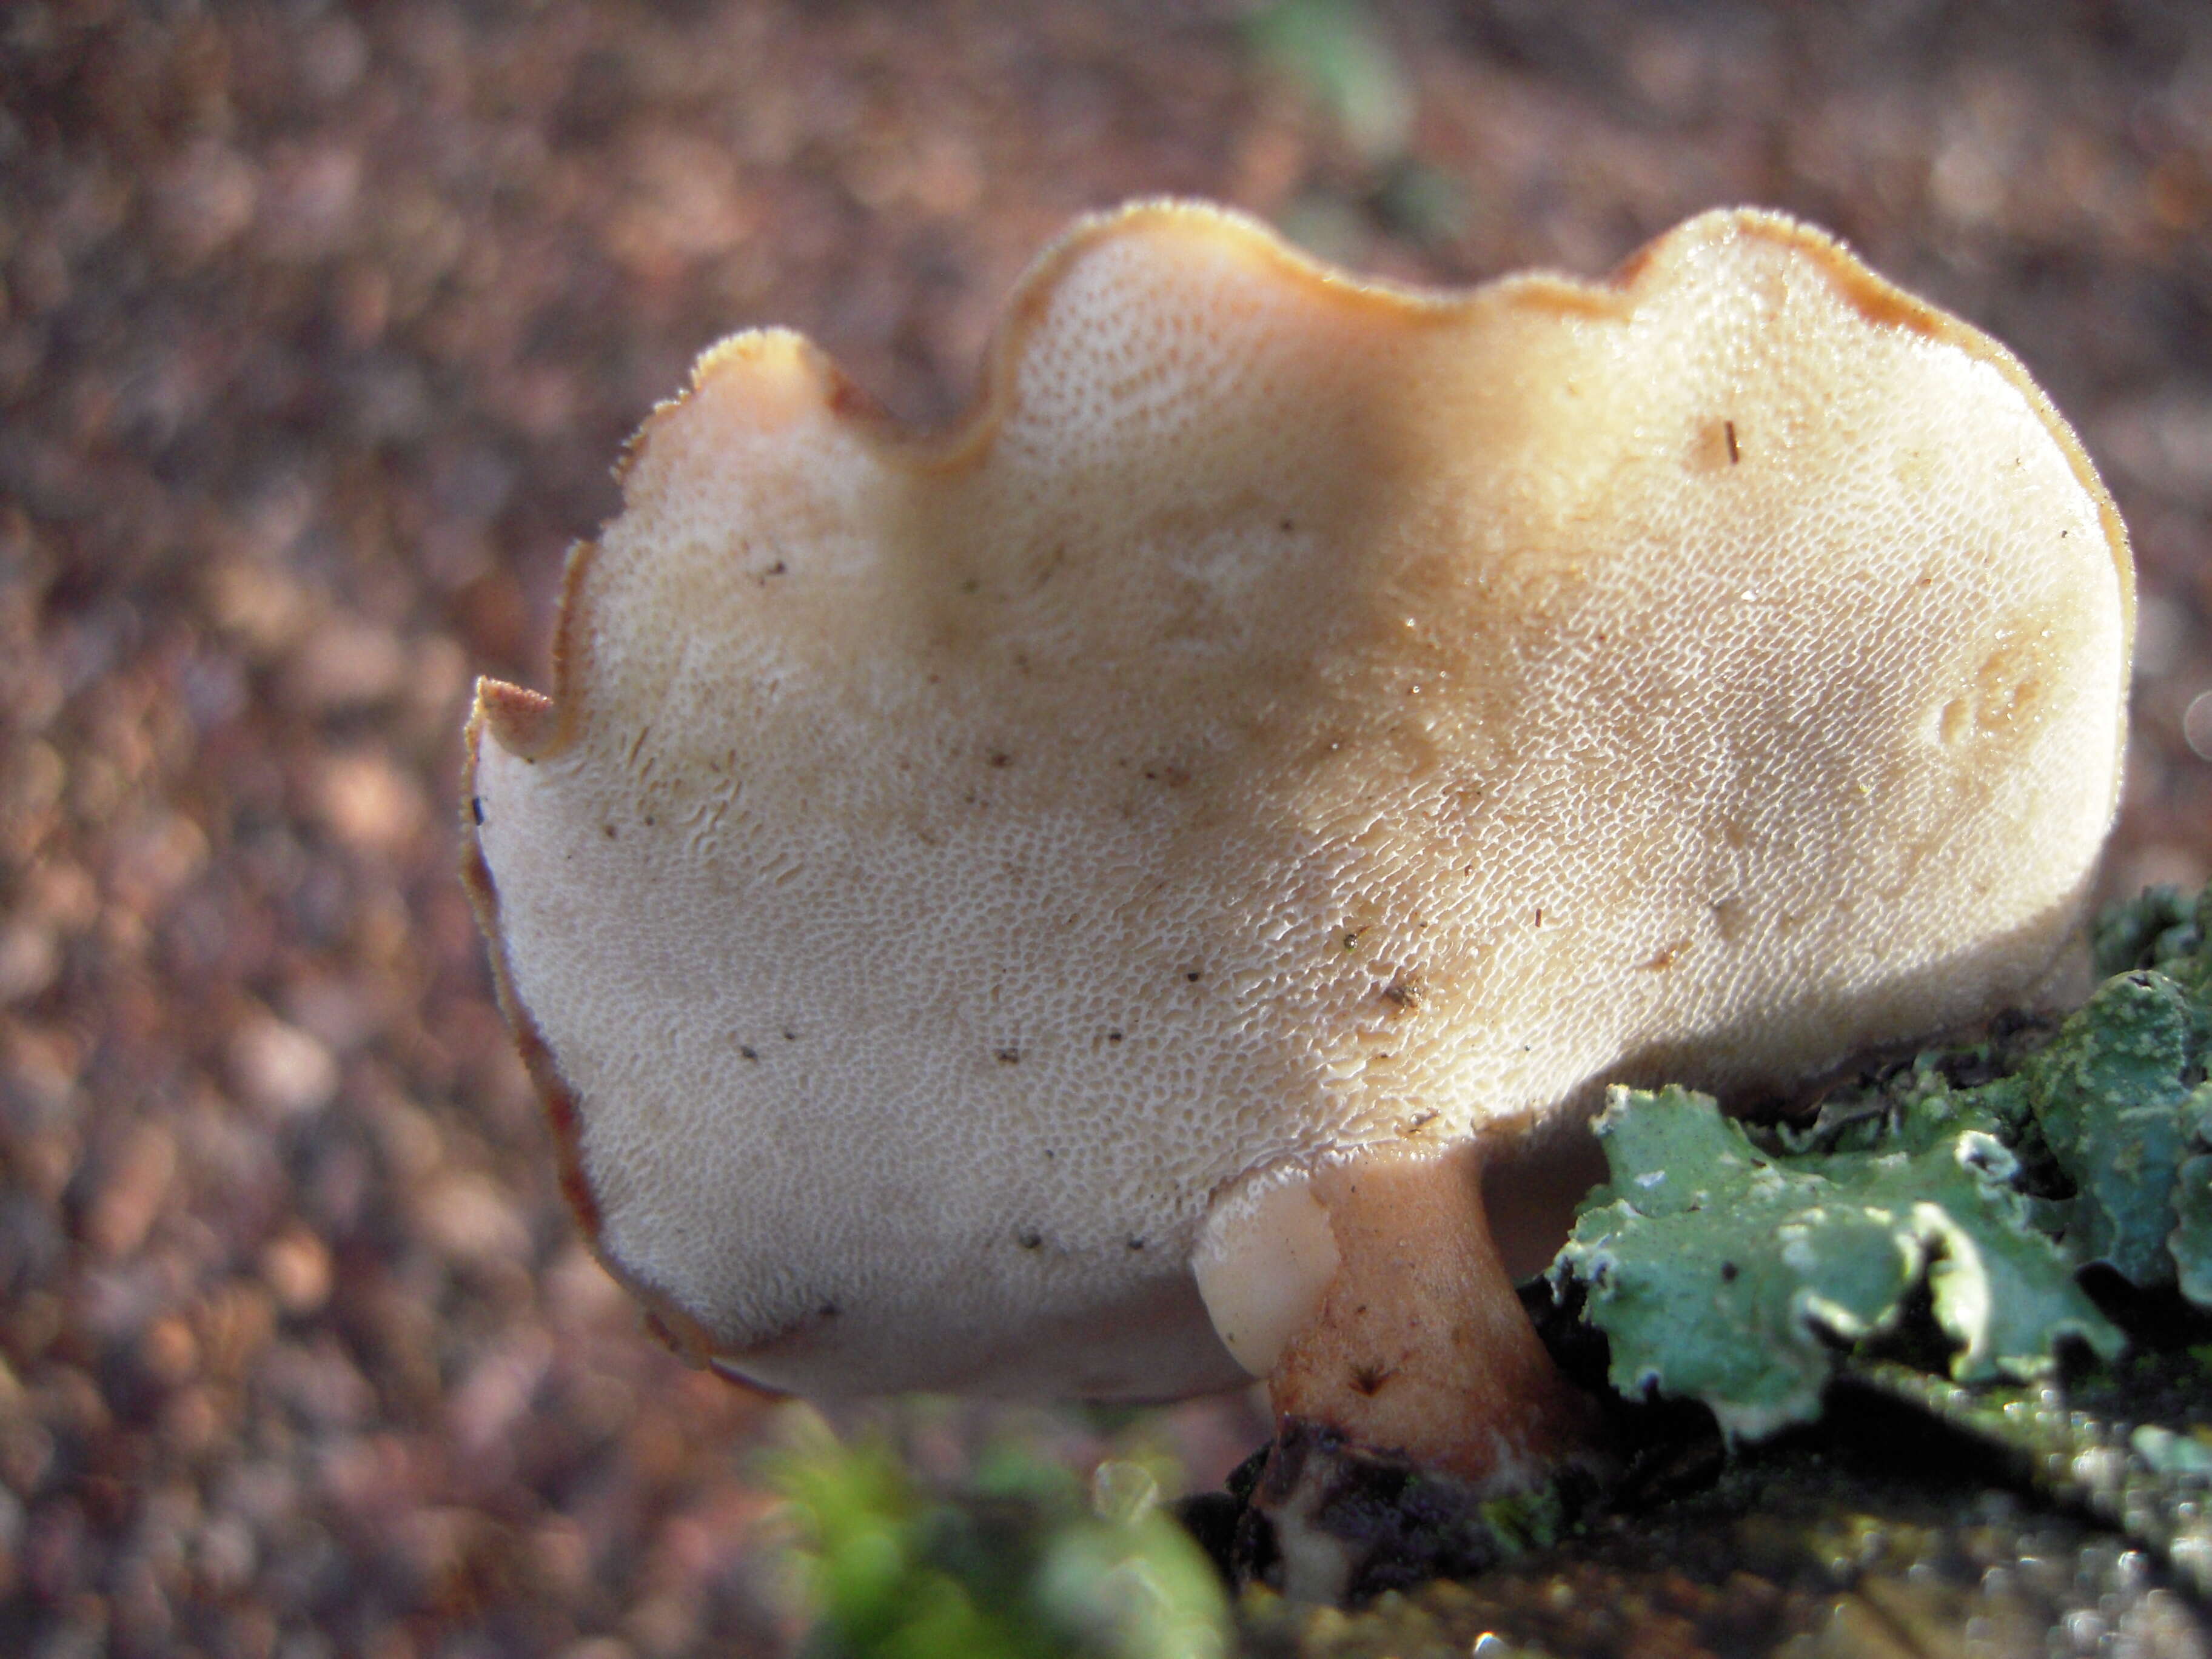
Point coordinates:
[(1735, 1271), (2122, 1101), (2163, 928), (2191, 1241), (2108, 1094), (1724, 1273)]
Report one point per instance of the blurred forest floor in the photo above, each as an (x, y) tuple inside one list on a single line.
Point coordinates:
[(319, 328)]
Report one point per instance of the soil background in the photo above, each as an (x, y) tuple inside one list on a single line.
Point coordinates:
[(319, 329)]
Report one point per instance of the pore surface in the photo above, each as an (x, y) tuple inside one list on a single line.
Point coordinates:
[(1291, 716)]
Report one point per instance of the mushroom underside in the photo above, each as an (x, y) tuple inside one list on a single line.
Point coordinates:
[(1293, 730)]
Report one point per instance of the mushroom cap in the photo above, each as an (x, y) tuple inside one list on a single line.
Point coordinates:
[(1291, 715)]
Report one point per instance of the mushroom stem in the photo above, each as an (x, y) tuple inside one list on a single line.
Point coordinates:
[(1418, 1345), (1372, 1294)]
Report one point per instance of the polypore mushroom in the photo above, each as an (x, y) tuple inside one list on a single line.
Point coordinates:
[(1076, 904)]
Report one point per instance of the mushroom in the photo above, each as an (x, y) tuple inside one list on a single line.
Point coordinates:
[(1103, 901)]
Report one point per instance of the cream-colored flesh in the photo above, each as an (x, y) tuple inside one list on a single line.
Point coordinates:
[(1264, 1261)]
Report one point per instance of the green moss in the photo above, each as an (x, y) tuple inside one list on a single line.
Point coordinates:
[(1021, 1565), (1527, 1520)]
